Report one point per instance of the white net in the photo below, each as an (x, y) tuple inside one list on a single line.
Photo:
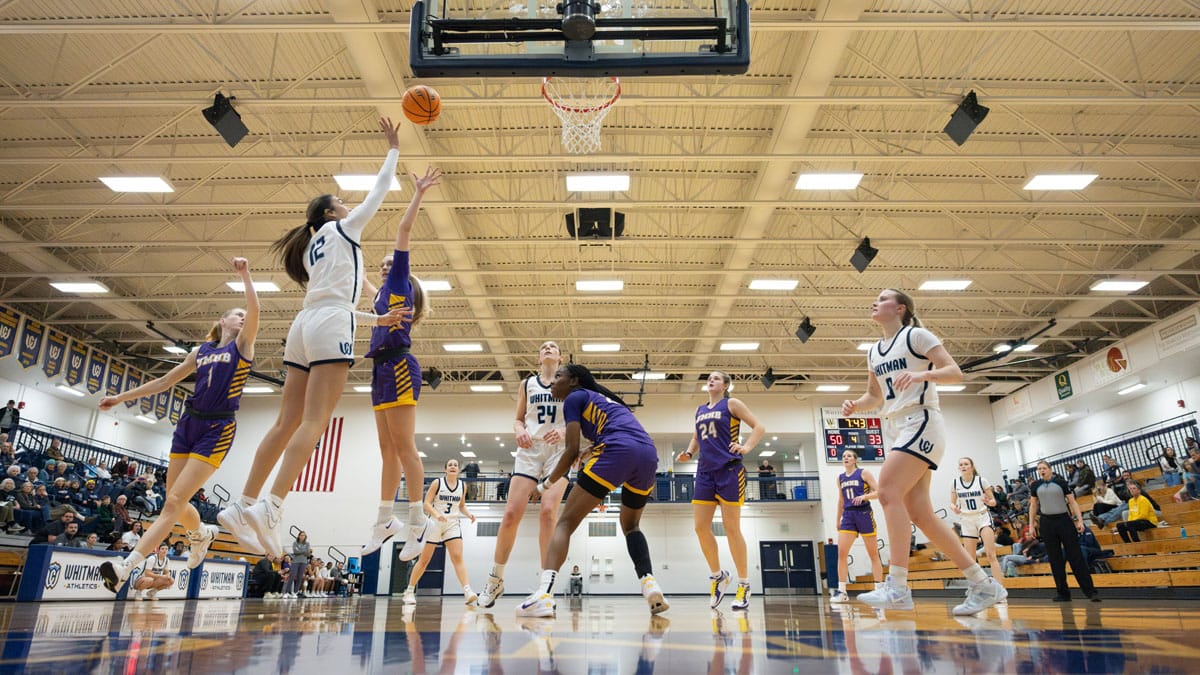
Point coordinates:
[(581, 103)]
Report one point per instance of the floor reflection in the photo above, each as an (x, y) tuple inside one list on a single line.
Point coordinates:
[(596, 636)]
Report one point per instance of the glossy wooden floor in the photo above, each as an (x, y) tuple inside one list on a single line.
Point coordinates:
[(594, 636)]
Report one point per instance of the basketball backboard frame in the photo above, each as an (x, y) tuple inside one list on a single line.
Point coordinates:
[(721, 41)]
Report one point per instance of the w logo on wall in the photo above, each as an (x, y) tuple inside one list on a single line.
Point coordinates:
[(321, 470)]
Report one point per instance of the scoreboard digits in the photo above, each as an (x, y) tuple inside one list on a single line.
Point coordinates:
[(863, 435)]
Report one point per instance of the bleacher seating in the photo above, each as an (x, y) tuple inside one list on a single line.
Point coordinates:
[(1162, 559)]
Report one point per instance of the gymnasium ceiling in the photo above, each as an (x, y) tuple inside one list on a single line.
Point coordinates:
[(108, 87)]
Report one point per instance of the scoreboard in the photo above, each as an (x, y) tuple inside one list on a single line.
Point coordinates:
[(863, 435)]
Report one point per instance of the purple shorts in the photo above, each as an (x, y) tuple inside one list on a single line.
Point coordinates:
[(726, 485), (205, 440), (630, 466), (858, 521), (395, 382)]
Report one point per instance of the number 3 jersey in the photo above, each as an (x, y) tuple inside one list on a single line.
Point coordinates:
[(906, 351), (716, 428)]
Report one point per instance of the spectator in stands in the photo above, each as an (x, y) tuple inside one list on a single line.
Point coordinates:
[(148, 500), (1035, 552), (91, 497), (1091, 549), (92, 542), (471, 475), (121, 467), (1121, 486), (1141, 515), (70, 536), (14, 472), (335, 578), (8, 507), (55, 450), (122, 521), (104, 518), (1085, 478), (43, 501), (1112, 470), (130, 539), (1191, 481), (29, 509), (179, 549), (53, 529), (1171, 467), (1105, 500), (65, 471), (766, 483), (8, 456), (1024, 536), (502, 486), (60, 494), (79, 500), (10, 417), (1003, 535), (264, 580), (1057, 519), (132, 470), (31, 475)]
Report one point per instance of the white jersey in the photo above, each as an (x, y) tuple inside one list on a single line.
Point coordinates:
[(970, 495), (542, 411), (158, 566), (334, 259), (907, 350), (447, 500)]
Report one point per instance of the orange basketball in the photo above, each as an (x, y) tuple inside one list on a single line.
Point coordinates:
[(422, 105)]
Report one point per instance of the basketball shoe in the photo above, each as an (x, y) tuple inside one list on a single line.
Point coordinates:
[(839, 597), (980, 596), (494, 588), (538, 606), (198, 542), (890, 595), (654, 595), (742, 600), (233, 519), (266, 520), (114, 574), (718, 583), (381, 534)]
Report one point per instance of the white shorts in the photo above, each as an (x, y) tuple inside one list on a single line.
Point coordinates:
[(320, 335), (972, 523), (438, 532), (538, 461), (920, 433)]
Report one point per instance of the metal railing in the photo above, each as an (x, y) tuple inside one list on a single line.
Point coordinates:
[(1133, 450), (336, 554), (77, 448), (669, 487)]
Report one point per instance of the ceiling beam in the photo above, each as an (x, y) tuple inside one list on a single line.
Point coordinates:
[(877, 204)]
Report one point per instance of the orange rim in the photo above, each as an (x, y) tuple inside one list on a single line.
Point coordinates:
[(556, 104)]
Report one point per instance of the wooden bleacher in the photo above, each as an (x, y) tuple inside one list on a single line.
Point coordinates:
[(1162, 559)]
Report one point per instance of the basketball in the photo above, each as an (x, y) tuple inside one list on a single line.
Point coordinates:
[(422, 105)]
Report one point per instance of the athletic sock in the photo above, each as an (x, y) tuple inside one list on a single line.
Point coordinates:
[(134, 559), (841, 587), (547, 581), (975, 573), (385, 512), (498, 570), (716, 576), (416, 513), (639, 552), (275, 500), (743, 580), (247, 502), (900, 575)]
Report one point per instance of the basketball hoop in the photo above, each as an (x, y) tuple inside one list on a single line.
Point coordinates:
[(581, 103)]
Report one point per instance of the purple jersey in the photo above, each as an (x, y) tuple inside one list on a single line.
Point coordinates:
[(601, 420), (716, 428), (396, 293), (852, 486), (221, 373)]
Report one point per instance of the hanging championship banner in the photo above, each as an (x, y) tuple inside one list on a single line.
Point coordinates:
[(56, 352), (177, 398), (95, 371), (132, 380), (31, 343), (146, 403), (161, 402), (116, 376), (8, 330), (76, 363)]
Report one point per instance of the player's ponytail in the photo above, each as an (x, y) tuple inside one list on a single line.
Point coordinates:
[(292, 246), (420, 300), (214, 333), (910, 308), (585, 379)]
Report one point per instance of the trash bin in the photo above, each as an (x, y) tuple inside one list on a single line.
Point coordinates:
[(800, 492)]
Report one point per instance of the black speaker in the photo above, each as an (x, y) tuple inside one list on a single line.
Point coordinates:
[(806, 330), (863, 255), (596, 223), (434, 377), (767, 379), (966, 117), (226, 120)]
